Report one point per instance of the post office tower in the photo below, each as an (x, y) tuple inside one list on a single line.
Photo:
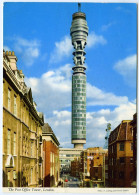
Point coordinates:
[(79, 33)]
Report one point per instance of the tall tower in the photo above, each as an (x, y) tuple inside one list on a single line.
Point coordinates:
[(79, 32)]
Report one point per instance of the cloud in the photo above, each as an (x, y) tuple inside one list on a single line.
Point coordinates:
[(96, 123), (94, 39), (98, 97), (52, 92), (6, 48), (61, 125), (27, 50), (120, 8), (127, 68), (106, 26), (62, 49)]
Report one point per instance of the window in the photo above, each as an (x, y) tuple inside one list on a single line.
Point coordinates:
[(112, 149), (122, 160), (14, 144), (14, 175), (15, 106), (112, 173), (131, 129), (31, 175), (121, 175), (131, 146), (121, 146), (31, 149), (131, 160), (51, 171), (8, 141), (114, 161), (51, 157), (9, 99), (131, 175), (96, 170), (8, 175)]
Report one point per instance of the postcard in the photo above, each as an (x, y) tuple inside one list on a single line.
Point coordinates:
[(69, 97)]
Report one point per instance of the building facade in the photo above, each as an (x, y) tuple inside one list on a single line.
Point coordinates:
[(133, 123), (22, 131), (93, 165), (66, 156), (76, 167), (79, 32), (51, 171), (120, 155)]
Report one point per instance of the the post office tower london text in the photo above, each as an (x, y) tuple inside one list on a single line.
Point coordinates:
[(79, 32)]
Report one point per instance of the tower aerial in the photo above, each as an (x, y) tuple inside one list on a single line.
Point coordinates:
[(79, 32)]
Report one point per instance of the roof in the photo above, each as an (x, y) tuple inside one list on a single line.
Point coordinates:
[(46, 128), (121, 132)]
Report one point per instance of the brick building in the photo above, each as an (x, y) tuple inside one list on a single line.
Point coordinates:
[(106, 180), (120, 155), (50, 156), (93, 165), (22, 131), (76, 167), (133, 123)]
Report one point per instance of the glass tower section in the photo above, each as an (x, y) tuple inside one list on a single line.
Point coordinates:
[(79, 32)]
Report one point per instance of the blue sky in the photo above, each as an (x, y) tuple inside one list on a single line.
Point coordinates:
[(39, 33)]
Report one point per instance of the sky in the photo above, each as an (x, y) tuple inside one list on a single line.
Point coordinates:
[(39, 34)]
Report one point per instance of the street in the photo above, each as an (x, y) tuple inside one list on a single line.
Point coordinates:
[(72, 182)]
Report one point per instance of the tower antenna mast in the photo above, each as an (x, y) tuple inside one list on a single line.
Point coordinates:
[(79, 7)]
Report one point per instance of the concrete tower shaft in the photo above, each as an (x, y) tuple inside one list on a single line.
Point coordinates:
[(79, 32)]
